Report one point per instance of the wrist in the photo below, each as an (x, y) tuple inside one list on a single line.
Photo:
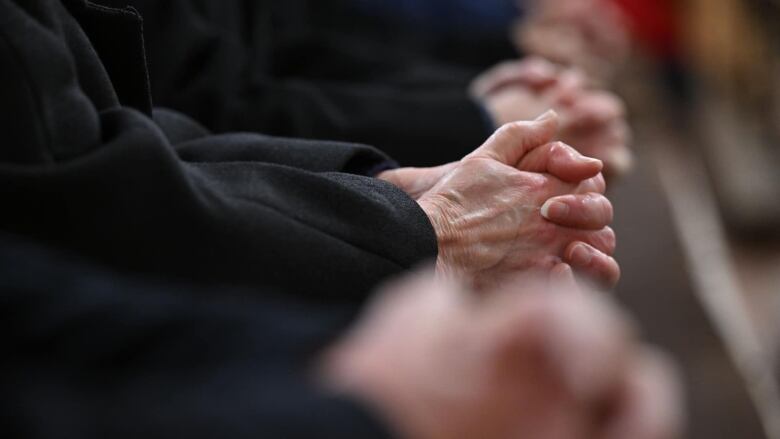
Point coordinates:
[(409, 180), (447, 237), (389, 176)]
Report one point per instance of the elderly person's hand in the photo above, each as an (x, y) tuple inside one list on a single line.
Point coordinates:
[(519, 202), (540, 361), (591, 120)]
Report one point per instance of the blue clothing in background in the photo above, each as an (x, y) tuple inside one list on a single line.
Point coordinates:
[(446, 16)]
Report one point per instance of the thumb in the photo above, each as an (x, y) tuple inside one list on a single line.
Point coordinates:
[(510, 143)]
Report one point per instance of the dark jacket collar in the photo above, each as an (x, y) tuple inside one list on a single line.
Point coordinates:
[(117, 36)]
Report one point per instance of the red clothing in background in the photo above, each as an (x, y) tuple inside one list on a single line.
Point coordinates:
[(653, 23)]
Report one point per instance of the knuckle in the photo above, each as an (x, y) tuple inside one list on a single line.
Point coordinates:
[(587, 186), (609, 210), (595, 185), (600, 183), (549, 233), (559, 147), (534, 183), (602, 240), (589, 205), (608, 240), (602, 206), (510, 131), (614, 271)]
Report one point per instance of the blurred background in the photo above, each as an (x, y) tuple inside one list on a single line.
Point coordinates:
[(698, 220)]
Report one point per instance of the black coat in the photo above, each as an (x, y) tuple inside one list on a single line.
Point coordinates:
[(255, 65), (91, 354), (84, 166)]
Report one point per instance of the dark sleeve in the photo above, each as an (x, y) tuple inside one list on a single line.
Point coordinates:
[(128, 200), (231, 81), (187, 137), (91, 354), (310, 155)]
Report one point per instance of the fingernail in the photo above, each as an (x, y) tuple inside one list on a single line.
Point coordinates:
[(590, 161), (587, 159), (549, 114), (580, 255), (555, 210)]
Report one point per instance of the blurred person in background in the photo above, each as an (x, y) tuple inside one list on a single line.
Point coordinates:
[(594, 35), (267, 67), (92, 353), (589, 34)]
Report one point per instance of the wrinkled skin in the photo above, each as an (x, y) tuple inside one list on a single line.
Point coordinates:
[(591, 120), (519, 202), (542, 360)]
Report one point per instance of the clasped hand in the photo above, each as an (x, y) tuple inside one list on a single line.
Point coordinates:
[(519, 202)]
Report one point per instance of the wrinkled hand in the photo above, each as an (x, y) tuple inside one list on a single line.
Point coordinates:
[(517, 203), (593, 121), (546, 361)]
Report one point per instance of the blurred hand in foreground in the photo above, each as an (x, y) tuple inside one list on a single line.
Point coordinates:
[(543, 360), (519, 202)]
